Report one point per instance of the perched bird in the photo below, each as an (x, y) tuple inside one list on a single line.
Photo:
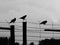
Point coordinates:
[(44, 22), (23, 17), (13, 20)]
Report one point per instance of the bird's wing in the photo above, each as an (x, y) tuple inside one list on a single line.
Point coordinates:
[(44, 22), (23, 17), (12, 20)]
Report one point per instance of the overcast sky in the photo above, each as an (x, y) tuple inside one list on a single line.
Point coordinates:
[(35, 9)]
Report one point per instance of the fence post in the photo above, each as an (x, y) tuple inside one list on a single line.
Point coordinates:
[(12, 33), (24, 33)]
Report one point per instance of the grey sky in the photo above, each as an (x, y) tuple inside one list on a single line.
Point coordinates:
[(35, 9)]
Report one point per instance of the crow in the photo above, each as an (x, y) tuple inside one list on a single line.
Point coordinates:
[(23, 17), (13, 20), (44, 22)]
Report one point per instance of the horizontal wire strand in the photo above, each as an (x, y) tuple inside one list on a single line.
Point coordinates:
[(33, 23)]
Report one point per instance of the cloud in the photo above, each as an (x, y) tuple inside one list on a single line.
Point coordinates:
[(35, 9)]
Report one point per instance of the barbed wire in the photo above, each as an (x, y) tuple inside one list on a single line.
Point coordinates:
[(39, 27), (34, 30), (28, 40), (34, 23), (29, 30)]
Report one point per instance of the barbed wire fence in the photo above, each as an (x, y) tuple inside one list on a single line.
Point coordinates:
[(33, 29)]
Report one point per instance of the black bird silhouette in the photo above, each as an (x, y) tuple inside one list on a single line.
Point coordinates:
[(13, 20), (44, 22), (23, 17)]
